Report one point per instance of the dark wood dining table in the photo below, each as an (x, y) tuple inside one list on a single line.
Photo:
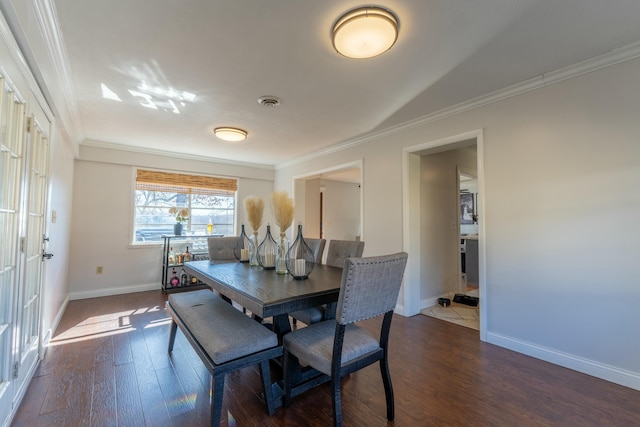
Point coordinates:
[(266, 293)]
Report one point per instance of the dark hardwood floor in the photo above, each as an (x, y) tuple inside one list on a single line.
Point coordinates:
[(108, 366)]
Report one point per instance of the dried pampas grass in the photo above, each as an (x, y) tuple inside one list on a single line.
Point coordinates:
[(282, 209), (254, 206)]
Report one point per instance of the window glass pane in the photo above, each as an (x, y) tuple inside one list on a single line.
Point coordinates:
[(152, 218)]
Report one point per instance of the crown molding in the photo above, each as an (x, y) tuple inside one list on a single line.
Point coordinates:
[(156, 152), (12, 42), (613, 57), (69, 112)]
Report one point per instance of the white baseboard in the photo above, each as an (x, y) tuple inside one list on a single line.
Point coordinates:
[(425, 303), (56, 321), (399, 310), (430, 302), (114, 291), (576, 363)]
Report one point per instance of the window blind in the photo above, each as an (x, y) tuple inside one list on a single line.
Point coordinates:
[(183, 183)]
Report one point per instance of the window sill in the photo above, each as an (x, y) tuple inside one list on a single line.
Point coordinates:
[(144, 245)]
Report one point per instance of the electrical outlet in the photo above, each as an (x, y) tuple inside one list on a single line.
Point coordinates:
[(99, 269)]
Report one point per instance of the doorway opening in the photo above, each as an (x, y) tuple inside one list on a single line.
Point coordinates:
[(329, 202), (433, 221)]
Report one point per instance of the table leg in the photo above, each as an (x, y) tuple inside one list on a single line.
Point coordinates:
[(281, 325)]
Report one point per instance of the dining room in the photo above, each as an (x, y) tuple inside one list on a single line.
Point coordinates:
[(68, 79)]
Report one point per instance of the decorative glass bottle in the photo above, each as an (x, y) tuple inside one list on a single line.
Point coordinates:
[(300, 259), (281, 255), (171, 257), (267, 251), (184, 279), (244, 247), (253, 255), (175, 281)]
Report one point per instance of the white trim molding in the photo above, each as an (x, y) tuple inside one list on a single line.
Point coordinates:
[(104, 292), (576, 363)]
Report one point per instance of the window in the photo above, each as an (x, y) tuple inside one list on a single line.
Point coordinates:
[(207, 198)]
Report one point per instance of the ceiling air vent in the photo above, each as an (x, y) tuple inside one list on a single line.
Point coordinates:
[(269, 101)]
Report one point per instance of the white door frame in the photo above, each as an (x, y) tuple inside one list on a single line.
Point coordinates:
[(410, 297), (15, 70)]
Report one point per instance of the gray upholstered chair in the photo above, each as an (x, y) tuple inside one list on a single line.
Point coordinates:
[(317, 246), (338, 251), (221, 248), (338, 347)]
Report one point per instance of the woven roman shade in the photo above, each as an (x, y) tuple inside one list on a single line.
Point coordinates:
[(183, 183)]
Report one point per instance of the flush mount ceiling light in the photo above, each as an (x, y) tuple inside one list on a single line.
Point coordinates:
[(230, 134), (365, 32)]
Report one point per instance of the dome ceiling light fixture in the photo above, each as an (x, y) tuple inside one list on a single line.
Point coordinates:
[(230, 134), (365, 32)]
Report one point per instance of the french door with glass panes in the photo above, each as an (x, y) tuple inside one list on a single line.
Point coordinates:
[(24, 151)]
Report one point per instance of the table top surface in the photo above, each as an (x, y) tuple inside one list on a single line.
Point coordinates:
[(265, 292)]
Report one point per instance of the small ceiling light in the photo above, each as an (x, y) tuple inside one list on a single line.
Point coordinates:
[(230, 134), (269, 101), (365, 32)]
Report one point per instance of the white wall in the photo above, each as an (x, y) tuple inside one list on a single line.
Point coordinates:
[(103, 189), (341, 210), (310, 199), (561, 166)]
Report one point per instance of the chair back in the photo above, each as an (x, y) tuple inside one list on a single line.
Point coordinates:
[(221, 248), (369, 287), (317, 246), (340, 250)]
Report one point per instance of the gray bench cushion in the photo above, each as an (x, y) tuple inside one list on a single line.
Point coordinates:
[(224, 332)]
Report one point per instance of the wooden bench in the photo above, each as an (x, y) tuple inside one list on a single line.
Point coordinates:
[(225, 339)]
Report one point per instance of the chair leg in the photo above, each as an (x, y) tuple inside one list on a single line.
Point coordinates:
[(267, 389), (388, 388), (291, 371), (337, 402), (172, 335), (217, 392)]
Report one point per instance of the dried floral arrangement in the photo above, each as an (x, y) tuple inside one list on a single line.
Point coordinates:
[(254, 207), (282, 209), (181, 214)]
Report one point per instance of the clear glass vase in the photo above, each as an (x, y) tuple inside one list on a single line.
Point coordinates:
[(253, 256), (267, 251), (281, 256)]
